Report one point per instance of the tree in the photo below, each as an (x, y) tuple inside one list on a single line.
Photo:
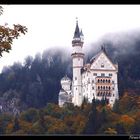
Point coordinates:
[(16, 124), (136, 128), (103, 116), (84, 103), (5, 119), (7, 35), (104, 101), (120, 128), (127, 122), (31, 115), (42, 121), (92, 119), (116, 106)]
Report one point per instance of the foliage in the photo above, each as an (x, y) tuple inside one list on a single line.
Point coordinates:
[(31, 115), (7, 35)]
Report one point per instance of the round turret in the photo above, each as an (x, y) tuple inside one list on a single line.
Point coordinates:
[(66, 83)]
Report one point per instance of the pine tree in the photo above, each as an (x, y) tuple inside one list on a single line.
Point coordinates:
[(84, 103), (92, 120), (16, 124), (116, 108), (103, 116)]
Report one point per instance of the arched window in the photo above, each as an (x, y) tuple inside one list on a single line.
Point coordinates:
[(109, 87), (108, 81), (104, 87), (98, 87), (98, 81), (102, 65), (101, 87), (103, 81)]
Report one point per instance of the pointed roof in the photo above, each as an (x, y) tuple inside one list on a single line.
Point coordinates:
[(81, 33), (65, 78), (93, 59), (103, 48), (77, 31)]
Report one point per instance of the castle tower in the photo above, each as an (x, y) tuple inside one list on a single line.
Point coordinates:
[(77, 62)]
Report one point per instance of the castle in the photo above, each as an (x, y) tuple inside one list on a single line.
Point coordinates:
[(96, 79)]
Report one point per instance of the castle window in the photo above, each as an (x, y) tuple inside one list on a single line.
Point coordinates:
[(110, 74), (102, 74), (102, 65), (101, 94), (94, 74)]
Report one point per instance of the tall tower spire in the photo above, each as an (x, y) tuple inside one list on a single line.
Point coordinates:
[(77, 31), (77, 61), (78, 35)]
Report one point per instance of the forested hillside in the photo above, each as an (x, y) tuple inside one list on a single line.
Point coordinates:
[(96, 118), (37, 82)]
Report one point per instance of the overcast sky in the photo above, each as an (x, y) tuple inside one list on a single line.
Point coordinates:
[(53, 25)]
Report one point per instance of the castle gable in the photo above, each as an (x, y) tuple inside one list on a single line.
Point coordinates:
[(102, 62)]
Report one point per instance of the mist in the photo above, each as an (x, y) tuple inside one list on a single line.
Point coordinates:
[(118, 43)]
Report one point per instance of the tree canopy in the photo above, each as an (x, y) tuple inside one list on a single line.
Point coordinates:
[(7, 35)]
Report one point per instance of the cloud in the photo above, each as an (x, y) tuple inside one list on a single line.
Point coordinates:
[(120, 43)]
